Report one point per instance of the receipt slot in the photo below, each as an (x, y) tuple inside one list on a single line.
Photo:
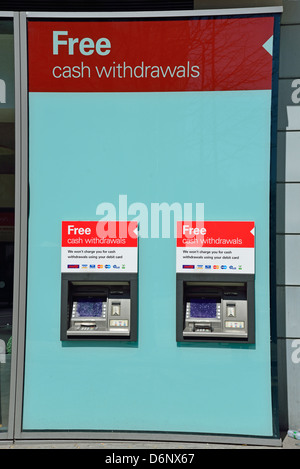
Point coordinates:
[(99, 264), (93, 308), (215, 308)]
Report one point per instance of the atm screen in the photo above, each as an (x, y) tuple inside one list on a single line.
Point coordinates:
[(203, 308), (88, 307)]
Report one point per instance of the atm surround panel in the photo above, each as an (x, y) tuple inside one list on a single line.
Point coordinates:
[(215, 308), (98, 308)]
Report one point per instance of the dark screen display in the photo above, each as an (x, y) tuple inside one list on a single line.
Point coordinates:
[(203, 309), (89, 307)]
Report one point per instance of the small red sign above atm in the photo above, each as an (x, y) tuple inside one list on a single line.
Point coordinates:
[(93, 246), (188, 54), (215, 247), (216, 233), (99, 233)]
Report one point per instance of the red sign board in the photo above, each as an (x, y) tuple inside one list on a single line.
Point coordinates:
[(150, 55), (238, 234), (219, 247), (99, 246), (99, 233)]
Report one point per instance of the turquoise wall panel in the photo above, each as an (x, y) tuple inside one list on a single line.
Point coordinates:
[(90, 148)]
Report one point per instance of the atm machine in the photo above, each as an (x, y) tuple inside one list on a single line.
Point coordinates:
[(215, 291), (99, 281), (215, 308), (99, 306)]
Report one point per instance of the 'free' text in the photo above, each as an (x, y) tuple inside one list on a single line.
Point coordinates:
[(86, 45)]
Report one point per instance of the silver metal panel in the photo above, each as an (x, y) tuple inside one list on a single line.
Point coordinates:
[(286, 88), (292, 168), (289, 64), (292, 204), (112, 319), (291, 12), (288, 218), (157, 14), (288, 157), (293, 117), (17, 240), (292, 259), (231, 321), (289, 101), (288, 311), (236, 3), (22, 221), (288, 215), (293, 382), (17, 228), (282, 390)]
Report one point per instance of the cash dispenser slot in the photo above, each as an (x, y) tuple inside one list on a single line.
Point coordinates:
[(211, 308), (94, 309)]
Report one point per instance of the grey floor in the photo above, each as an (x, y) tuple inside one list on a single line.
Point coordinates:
[(287, 443)]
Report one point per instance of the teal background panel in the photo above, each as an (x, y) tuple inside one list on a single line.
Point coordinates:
[(88, 148)]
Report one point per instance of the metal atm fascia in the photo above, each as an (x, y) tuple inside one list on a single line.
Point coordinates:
[(234, 297), (118, 294)]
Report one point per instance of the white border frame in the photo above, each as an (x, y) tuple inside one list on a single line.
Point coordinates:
[(158, 14)]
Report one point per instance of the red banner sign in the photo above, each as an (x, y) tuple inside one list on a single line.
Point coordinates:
[(99, 233), (150, 55), (219, 247), (235, 234)]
